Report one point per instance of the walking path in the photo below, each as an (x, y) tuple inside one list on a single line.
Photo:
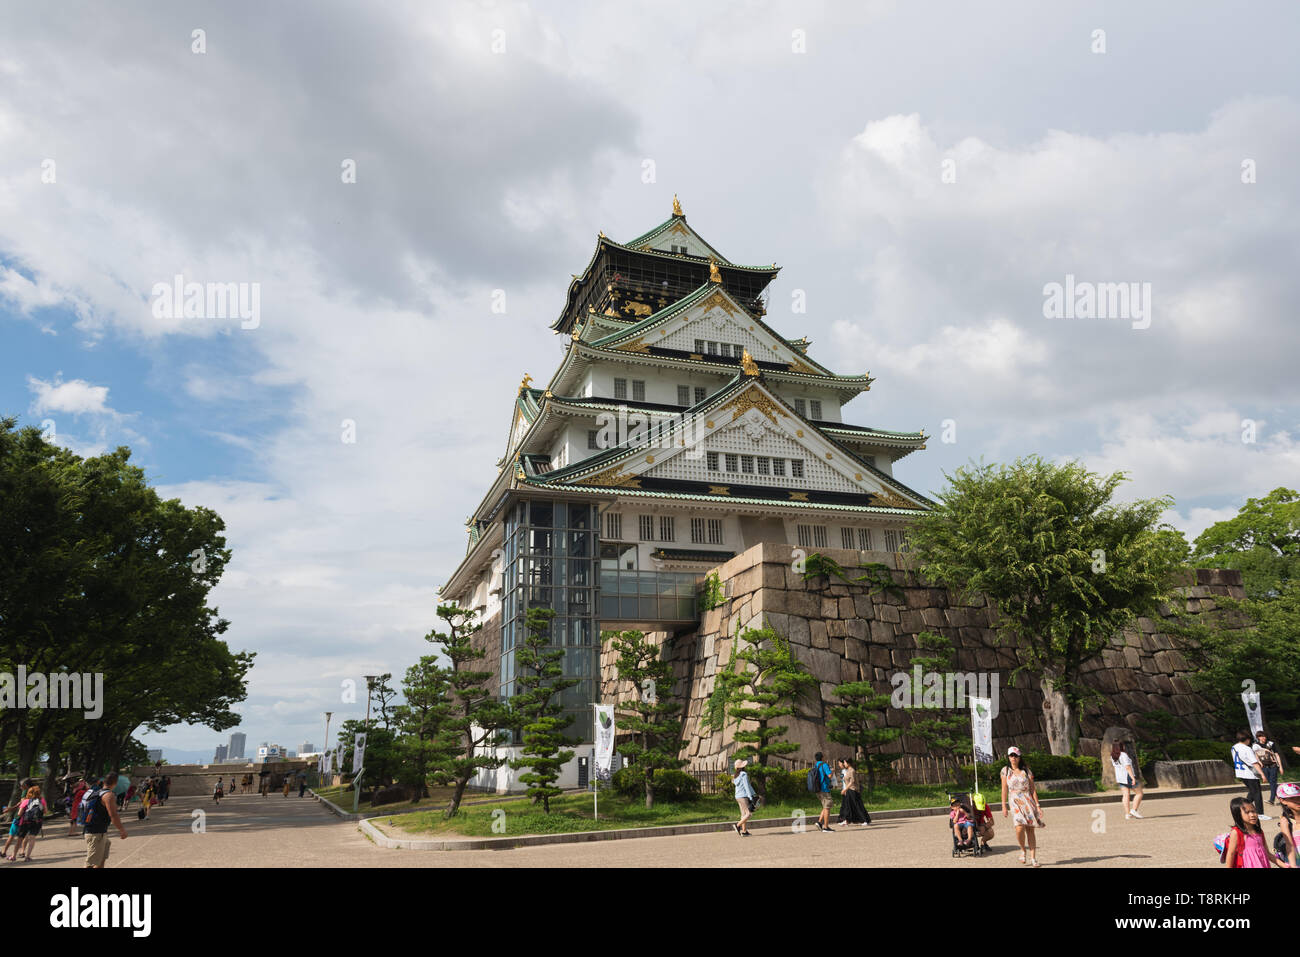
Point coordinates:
[(252, 831)]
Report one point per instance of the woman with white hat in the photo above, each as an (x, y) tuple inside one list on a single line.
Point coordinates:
[(744, 794), (1019, 780), (1288, 796)]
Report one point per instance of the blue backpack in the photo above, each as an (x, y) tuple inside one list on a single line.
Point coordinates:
[(87, 804)]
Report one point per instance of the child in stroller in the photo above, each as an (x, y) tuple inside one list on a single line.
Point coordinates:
[(961, 819)]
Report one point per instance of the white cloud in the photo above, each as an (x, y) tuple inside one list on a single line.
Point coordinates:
[(76, 397)]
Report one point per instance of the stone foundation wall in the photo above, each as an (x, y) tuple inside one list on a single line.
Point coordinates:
[(844, 633)]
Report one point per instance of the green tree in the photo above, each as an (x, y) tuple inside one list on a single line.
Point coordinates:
[(859, 721), (1262, 541), (946, 732), (650, 718), (1065, 567), (477, 718), (382, 757), (761, 685), (424, 746), (538, 675)]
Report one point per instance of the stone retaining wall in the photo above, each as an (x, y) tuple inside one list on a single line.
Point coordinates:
[(843, 632)]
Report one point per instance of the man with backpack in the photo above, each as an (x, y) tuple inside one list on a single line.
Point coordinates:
[(819, 782), (101, 810)]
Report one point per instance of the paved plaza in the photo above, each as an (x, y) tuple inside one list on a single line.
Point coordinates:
[(252, 831)]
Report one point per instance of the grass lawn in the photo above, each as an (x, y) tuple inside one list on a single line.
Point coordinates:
[(572, 812), (438, 798)]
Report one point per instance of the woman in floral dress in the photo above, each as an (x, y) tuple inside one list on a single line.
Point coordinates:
[(1018, 782)]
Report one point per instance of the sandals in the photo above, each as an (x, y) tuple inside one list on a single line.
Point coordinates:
[(1022, 857)]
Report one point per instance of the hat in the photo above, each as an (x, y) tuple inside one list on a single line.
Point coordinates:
[(741, 764), (1289, 791), (1013, 750)]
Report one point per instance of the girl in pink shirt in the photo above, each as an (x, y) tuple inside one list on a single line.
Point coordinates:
[(1245, 846)]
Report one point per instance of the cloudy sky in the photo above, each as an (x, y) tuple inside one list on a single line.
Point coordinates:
[(920, 170)]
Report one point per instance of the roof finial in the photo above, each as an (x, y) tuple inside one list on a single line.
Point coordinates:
[(748, 364), (677, 207), (714, 275), (525, 384)]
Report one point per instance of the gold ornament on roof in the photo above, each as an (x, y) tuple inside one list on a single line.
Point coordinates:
[(890, 500), (677, 207), (714, 275), (754, 399), (748, 364), (526, 383)]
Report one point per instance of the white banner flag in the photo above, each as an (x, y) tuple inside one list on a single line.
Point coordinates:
[(358, 753), (604, 740), (1254, 710), (981, 726)]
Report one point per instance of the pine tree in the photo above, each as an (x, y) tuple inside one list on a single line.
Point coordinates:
[(656, 735), (945, 731), (477, 719), (762, 683), (425, 746), (537, 716), (859, 721)]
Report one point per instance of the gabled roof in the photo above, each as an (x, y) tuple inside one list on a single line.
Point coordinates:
[(707, 294), (674, 227), (623, 466)]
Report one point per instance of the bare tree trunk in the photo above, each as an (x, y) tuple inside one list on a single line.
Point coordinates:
[(1060, 717)]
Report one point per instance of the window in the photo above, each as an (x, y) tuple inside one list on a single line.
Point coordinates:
[(864, 539), (699, 346), (891, 540), (747, 464), (592, 442), (764, 464), (732, 462), (620, 388), (697, 531), (796, 468), (613, 525), (638, 390), (715, 531), (726, 350), (778, 467), (847, 538), (801, 407), (815, 407), (736, 350), (700, 393), (903, 544), (647, 528), (812, 536), (666, 531), (683, 395), (712, 459)]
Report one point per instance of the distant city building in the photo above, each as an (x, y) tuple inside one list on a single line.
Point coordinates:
[(272, 752), (155, 756), (293, 754), (306, 747), (221, 754), (237, 742)]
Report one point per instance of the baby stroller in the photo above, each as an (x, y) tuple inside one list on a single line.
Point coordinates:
[(971, 846)]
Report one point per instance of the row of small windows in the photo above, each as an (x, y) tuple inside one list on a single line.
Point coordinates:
[(704, 531), (728, 350), (753, 464), (814, 536), (638, 389)]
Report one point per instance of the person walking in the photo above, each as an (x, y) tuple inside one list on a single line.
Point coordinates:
[(164, 792), (1269, 760), (852, 810), (1249, 771), (31, 817), (823, 782), (745, 796), (288, 783), (1245, 846), (103, 812), (302, 782), (1127, 779), (1018, 784), (78, 795), (216, 791)]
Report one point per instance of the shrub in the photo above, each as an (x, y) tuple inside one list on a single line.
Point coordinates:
[(786, 786), (1045, 767), (1198, 749), (670, 785)]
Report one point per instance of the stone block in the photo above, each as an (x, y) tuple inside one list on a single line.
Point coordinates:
[(857, 628), (888, 613), (856, 649), (878, 656), (910, 622), (1131, 658), (849, 670), (932, 617), (846, 608), (824, 665), (799, 633), (837, 646), (1193, 774), (882, 633), (1146, 625), (836, 628), (817, 636), (830, 608)]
